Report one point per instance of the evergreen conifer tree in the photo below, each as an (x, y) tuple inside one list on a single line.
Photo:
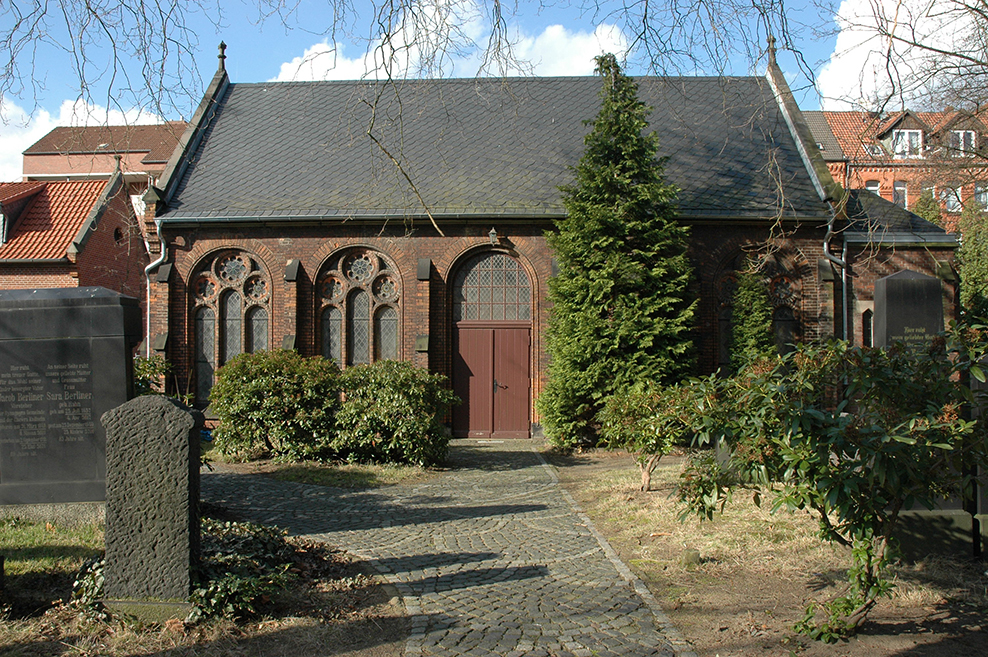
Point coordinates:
[(927, 207), (751, 321), (622, 312), (972, 259)]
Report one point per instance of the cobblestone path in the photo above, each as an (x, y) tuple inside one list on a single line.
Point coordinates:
[(491, 558)]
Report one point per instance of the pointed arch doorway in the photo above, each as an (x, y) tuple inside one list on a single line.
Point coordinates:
[(492, 326)]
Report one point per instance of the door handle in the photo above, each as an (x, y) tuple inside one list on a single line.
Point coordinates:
[(495, 385)]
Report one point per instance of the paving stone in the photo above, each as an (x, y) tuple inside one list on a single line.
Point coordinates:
[(490, 558)]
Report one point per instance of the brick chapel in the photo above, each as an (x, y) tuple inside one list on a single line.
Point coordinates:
[(405, 219)]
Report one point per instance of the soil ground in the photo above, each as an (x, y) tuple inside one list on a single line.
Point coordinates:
[(744, 600)]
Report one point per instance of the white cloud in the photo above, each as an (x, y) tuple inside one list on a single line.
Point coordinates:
[(873, 59), (20, 130), (430, 46), (558, 51)]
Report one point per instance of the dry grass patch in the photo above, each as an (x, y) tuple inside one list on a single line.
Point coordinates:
[(736, 585)]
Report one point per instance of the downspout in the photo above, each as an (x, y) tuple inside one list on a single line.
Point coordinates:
[(147, 277)]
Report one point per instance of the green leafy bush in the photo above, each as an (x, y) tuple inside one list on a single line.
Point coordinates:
[(649, 420), (149, 374), (392, 412), (242, 564), (275, 403), (853, 435)]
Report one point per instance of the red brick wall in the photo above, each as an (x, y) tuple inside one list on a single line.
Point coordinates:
[(425, 306), (28, 277), (114, 256)]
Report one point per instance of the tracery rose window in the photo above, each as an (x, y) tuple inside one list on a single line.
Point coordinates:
[(358, 305)]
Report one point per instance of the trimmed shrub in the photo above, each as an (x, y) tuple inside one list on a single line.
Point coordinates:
[(275, 403), (392, 412)]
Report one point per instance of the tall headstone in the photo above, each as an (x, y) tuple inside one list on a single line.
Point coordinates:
[(65, 359), (152, 507), (908, 308)]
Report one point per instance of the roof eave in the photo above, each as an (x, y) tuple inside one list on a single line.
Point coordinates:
[(900, 238)]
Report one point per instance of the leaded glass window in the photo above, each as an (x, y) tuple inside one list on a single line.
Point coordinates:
[(358, 296), (386, 333), (492, 286), (205, 330), (230, 299), (358, 326), (332, 334), (256, 329), (230, 308)]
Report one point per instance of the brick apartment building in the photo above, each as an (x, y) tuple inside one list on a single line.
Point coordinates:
[(898, 156), (362, 221)]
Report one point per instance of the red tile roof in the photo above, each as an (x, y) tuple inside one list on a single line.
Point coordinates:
[(854, 129), (15, 191), (157, 140), (52, 219)]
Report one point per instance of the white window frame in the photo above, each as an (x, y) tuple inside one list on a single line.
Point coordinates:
[(900, 191), (874, 186), (963, 143), (907, 143), (981, 195), (950, 199)]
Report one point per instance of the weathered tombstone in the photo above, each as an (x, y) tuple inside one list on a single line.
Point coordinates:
[(908, 308), (152, 507), (65, 359)]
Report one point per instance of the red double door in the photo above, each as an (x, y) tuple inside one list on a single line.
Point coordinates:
[(491, 377)]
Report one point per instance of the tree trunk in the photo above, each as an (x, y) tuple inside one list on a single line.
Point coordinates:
[(646, 467)]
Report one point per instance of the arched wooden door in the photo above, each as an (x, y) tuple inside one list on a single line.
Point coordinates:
[(492, 326)]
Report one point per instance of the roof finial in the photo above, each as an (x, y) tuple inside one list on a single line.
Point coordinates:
[(118, 157), (222, 56), (771, 50)]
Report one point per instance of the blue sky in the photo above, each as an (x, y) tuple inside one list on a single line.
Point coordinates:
[(557, 40)]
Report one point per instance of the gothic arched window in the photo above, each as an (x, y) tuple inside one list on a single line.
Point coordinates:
[(358, 295), (230, 313)]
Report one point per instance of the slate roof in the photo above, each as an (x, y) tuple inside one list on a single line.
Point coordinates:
[(874, 218), (830, 146), (158, 140), (474, 147), (53, 218)]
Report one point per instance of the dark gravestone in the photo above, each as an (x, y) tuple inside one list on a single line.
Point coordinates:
[(908, 308), (152, 500), (65, 359)]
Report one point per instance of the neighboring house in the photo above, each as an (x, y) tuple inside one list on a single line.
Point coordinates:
[(899, 156), (90, 153), (283, 221), (70, 233)]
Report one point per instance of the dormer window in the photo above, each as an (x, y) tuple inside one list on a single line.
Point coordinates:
[(874, 150), (907, 143), (962, 143)]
